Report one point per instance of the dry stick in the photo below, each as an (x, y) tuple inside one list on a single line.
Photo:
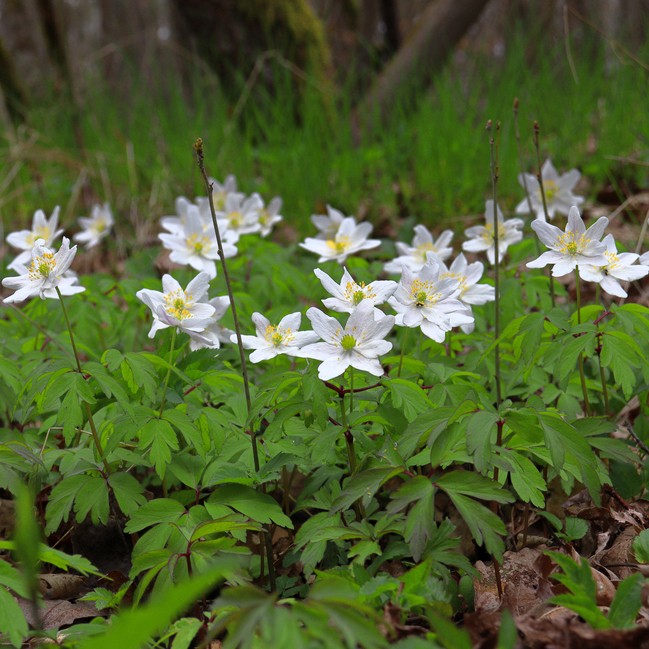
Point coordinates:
[(539, 176), (496, 235), (198, 147), (91, 421)]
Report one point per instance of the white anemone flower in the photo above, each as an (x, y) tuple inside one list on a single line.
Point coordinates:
[(328, 224), (349, 294), (574, 247), (220, 193), (350, 238), (359, 344), (557, 188), (42, 228), (481, 237), (269, 216), (176, 223), (619, 267), (46, 272), (240, 215), (95, 227), (644, 259), (415, 256), (183, 309), (214, 333), (471, 293), (272, 340), (427, 300), (195, 245)]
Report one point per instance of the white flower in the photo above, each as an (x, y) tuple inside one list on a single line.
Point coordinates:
[(426, 300), (471, 293), (42, 228), (46, 272), (350, 238), (219, 194), (214, 333), (195, 244), (349, 294), (644, 259), (558, 191), (240, 216), (270, 215), (572, 248), (176, 222), (415, 256), (619, 267), (271, 340), (96, 227), (327, 225), (175, 307), (482, 236), (358, 345)]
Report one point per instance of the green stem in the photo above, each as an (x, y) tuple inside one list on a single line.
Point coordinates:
[(166, 383), (351, 390), (602, 377), (404, 339), (539, 176), (91, 421), (198, 147), (580, 359)]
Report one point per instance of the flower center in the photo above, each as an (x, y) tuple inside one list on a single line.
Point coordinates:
[(218, 198), (176, 302), (551, 189), (278, 337), (571, 243), (42, 232), (198, 243), (488, 235), (339, 244), (356, 293), (348, 342), (422, 249), (235, 219), (42, 266), (422, 293)]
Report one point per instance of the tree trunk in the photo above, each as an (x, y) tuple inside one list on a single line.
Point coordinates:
[(442, 25)]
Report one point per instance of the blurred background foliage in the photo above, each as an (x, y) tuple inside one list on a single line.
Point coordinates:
[(375, 106)]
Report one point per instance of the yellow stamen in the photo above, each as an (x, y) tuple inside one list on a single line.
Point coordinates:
[(42, 266), (277, 336), (422, 293), (176, 302), (551, 189), (339, 244), (348, 342), (571, 243), (422, 249), (356, 293)]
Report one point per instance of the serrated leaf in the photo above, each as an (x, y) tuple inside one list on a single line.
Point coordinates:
[(258, 506), (641, 547), (526, 479), (363, 484), (160, 510), (408, 397), (474, 485), (128, 491), (480, 434), (627, 602), (12, 619), (92, 500), (160, 439)]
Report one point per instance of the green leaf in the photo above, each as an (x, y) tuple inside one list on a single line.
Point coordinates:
[(135, 628), (128, 491), (61, 501), (160, 438), (363, 485), (526, 479), (12, 620), (12, 579), (641, 547), (627, 602), (258, 506), (480, 435), (472, 484), (408, 397), (92, 500), (622, 354), (161, 510)]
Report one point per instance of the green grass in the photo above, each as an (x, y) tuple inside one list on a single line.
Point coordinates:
[(431, 162)]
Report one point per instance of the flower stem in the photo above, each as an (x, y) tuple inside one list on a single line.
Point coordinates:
[(580, 359), (406, 334), (91, 421), (494, 191), (539, 176), (166, 383), (351, 390), (198, 147)]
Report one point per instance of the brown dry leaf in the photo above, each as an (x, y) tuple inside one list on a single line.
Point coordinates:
[(620, 552), (57, 613), (7, 518), (60, 586)]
